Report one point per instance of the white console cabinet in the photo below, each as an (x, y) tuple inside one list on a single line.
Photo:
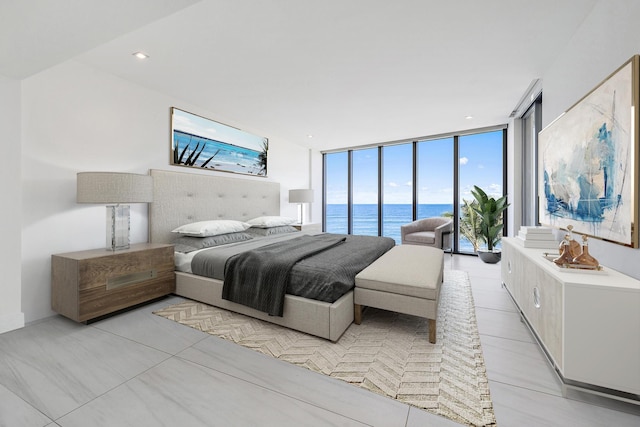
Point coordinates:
[(588, 322)]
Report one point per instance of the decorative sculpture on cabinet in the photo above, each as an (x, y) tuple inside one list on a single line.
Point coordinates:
[(573, 255)]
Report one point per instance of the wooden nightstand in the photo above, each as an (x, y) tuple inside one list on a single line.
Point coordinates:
[(89, 284), (309, 228)]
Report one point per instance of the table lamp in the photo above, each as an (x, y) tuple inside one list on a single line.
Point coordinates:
[(114, 188), (300, 196)]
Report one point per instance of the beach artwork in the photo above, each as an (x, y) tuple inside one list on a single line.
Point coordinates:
[(588, 165), (202, 143)]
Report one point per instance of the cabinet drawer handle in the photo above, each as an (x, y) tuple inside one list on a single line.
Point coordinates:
[(130, 279), (509, 266), (536, 297)]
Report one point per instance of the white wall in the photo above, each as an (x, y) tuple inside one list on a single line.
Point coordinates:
[(606, 39), (11, 316), (76, 119)]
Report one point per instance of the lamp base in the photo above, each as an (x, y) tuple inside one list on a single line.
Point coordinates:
[(118, 223), (300, 213)]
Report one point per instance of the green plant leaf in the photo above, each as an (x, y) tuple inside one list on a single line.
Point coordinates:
[(490, 212)]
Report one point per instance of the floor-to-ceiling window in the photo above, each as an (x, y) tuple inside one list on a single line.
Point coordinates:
[(435, 177), (336, 183), (480, 163), (531, 125), (397, 189), (373, 191), (364, 187)]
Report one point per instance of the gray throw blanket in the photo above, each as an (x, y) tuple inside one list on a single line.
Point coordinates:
[(258, 278)]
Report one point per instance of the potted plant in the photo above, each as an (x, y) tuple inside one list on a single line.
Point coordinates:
[(490, 212)]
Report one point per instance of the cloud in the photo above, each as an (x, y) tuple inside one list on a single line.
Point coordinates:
[(393, 184), (186, 124), (409, 184), (337, 198), (464, 160), (494, 190)]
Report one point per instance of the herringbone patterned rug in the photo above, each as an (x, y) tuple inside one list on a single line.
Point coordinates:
[(389, 353)]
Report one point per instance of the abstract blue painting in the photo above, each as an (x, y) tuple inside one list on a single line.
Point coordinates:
[(588, 162)]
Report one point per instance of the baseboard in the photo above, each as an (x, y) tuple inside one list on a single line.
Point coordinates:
[(9, 322)]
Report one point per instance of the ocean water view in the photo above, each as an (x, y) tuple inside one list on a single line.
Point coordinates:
[(365, 219), (228, 155)]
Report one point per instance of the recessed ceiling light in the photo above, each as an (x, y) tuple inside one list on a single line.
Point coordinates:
[(309, 136), (468, 117), (140, 55)]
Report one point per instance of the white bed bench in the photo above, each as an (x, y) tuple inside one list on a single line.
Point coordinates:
[(406, 280)]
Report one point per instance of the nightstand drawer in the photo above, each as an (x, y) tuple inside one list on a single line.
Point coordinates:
[(121, 268), (99, 301)]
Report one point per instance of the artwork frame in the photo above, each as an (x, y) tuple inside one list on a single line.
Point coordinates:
[(588, 161), (202, 143)]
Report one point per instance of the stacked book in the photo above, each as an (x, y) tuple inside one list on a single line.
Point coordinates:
[(537, 237)]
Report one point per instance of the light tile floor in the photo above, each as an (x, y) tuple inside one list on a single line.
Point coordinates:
[(137, 369)]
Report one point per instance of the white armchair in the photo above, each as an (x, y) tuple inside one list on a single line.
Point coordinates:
[(434, 232)]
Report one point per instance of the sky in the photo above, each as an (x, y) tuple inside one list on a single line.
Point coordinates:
[(480, 160), (197, 125)]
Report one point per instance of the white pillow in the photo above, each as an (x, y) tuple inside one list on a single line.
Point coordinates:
[(270, 221), (211, 228)]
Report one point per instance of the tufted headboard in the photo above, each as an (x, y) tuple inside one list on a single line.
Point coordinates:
[(181, 198)]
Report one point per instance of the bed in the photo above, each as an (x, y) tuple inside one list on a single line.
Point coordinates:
[(181, 198)]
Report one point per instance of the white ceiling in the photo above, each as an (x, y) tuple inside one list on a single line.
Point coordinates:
[(348, 72), (36, 34)]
